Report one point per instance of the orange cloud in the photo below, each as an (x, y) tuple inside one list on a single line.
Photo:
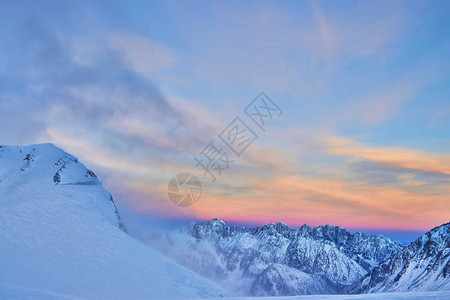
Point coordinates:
[(405, 158)]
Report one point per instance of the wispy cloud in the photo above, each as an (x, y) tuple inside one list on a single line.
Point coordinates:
[(144, 55), (405, 158), (376, 109)]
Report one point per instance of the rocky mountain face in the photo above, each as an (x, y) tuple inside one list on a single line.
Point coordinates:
[(422, 266), (275, 259)]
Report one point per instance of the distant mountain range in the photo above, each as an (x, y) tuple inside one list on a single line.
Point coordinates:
[(276, 260)]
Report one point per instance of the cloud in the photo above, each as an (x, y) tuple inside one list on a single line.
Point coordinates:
[(363, 34), (100, 96), (365, 172), (441, 117), (374, 110), (144, 55), (298, 200), (278, 47), (404, 158), (102, 90)]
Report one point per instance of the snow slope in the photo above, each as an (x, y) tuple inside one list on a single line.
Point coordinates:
[(61, 237)]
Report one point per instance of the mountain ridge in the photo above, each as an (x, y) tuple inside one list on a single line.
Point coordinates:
[(322, 259)]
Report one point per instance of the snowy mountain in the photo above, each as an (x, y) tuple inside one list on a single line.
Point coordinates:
[(422, 266), (275, 260), (61, 237)]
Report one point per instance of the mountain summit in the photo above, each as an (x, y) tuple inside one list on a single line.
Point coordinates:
[(422, 266), (45, 170)]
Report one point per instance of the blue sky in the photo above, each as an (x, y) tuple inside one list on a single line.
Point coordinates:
[(136, 89)]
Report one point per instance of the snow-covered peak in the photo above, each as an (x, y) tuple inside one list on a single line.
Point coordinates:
[(212, 229), (439, 235), (279, 227), (423, 265), (304, 230), (47, 168), (276, 229), (50, 162), (216, 223)]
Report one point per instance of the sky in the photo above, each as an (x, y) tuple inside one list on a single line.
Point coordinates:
[(358, 135)]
